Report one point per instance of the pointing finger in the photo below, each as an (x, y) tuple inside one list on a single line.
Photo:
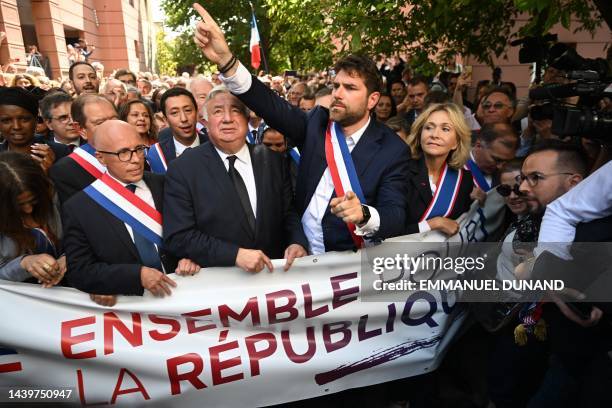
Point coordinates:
[(203, 13)]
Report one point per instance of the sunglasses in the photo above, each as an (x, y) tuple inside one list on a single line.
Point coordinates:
[(505, 190)]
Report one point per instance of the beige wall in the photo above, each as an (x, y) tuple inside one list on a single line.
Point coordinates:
[(520, 74), (113, 26)]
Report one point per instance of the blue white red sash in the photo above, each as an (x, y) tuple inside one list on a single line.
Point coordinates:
[(85, 156), (250, 137), (126, 206), (477, 175), (342, 169), (295, 155), (156, 159), (445, 197)]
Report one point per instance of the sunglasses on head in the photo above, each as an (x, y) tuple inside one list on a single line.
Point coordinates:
[(505, 190)]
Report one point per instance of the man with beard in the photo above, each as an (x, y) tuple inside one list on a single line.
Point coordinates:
[(84, 78), (342, 197)]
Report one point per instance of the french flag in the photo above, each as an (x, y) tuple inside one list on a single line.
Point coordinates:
[(11, 356), (254, 44)]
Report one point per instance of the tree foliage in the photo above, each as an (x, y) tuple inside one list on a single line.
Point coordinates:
[(303, 34), (166, 64)]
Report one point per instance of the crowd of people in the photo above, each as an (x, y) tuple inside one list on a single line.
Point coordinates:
[(109, 184)]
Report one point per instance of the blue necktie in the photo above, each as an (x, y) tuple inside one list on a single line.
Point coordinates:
[(146, 249)]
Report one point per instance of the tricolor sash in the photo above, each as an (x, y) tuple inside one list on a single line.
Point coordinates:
[(295, 155), (156, 159), (250, 137), (477, 175), (126, 206), (342, 169), (85, 157), (445, 197)]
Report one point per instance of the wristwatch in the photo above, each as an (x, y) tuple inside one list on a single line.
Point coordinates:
[(366, 214)]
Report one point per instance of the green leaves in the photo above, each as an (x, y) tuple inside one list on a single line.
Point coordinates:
[(307, 34)]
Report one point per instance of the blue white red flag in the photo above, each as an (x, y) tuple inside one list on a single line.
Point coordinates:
[(254, 43)]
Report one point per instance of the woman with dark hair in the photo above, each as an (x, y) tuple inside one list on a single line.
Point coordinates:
[(138, 114), (29, 223), (385, 108)]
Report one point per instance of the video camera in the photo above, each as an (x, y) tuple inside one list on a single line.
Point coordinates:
[(591, 81)]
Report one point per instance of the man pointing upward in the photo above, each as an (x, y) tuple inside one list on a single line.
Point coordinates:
[(351, 179)]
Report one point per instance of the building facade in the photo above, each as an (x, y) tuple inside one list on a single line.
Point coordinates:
[(121, 31)]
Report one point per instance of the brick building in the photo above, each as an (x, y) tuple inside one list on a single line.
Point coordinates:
[(121, 30)]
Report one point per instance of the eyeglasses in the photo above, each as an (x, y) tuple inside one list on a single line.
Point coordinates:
[(63, 119), (505, 190), (125, 155), (497, 105), (533, 178)]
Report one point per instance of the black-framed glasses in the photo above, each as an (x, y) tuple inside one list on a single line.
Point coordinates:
[(533, 178), (125, 155), (505, 190)]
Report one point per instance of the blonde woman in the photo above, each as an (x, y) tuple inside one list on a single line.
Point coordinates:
[(439, 187)]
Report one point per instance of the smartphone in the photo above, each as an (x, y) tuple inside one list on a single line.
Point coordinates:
[(290, 72)]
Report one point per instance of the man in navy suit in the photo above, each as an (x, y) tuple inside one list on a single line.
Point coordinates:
[(108, 255), (380, 158), (181, 111), (228, 202)]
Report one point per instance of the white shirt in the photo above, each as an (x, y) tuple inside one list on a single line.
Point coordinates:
[(143, 192), (591, 199), (76, 143), (244, 167), (180, 148), (238, 84)]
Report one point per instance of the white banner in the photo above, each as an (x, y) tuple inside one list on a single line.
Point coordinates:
[(226, 338)]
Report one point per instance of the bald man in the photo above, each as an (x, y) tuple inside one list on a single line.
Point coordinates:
[(112, 246)]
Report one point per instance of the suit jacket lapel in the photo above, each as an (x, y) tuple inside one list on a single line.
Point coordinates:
[(259, 164), (420, 180), (219, 172), (367, 148), (168, 148), (156, 191), (121, 232)]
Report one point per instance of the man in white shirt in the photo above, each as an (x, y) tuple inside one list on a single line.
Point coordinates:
[(331, 221), (55, 109), (108, 255)]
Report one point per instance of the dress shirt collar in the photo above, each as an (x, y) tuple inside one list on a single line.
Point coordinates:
[(140, 183), (355, 137), (180, 148), (76, 143), (242, 155)]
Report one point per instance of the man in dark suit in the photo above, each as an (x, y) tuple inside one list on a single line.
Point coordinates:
[(230, 203), (71, 174), (379, 157), (108, 254), (180, 109), (18, 112)]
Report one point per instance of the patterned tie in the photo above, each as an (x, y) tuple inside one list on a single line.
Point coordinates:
[(146, 249), (242, 191)]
